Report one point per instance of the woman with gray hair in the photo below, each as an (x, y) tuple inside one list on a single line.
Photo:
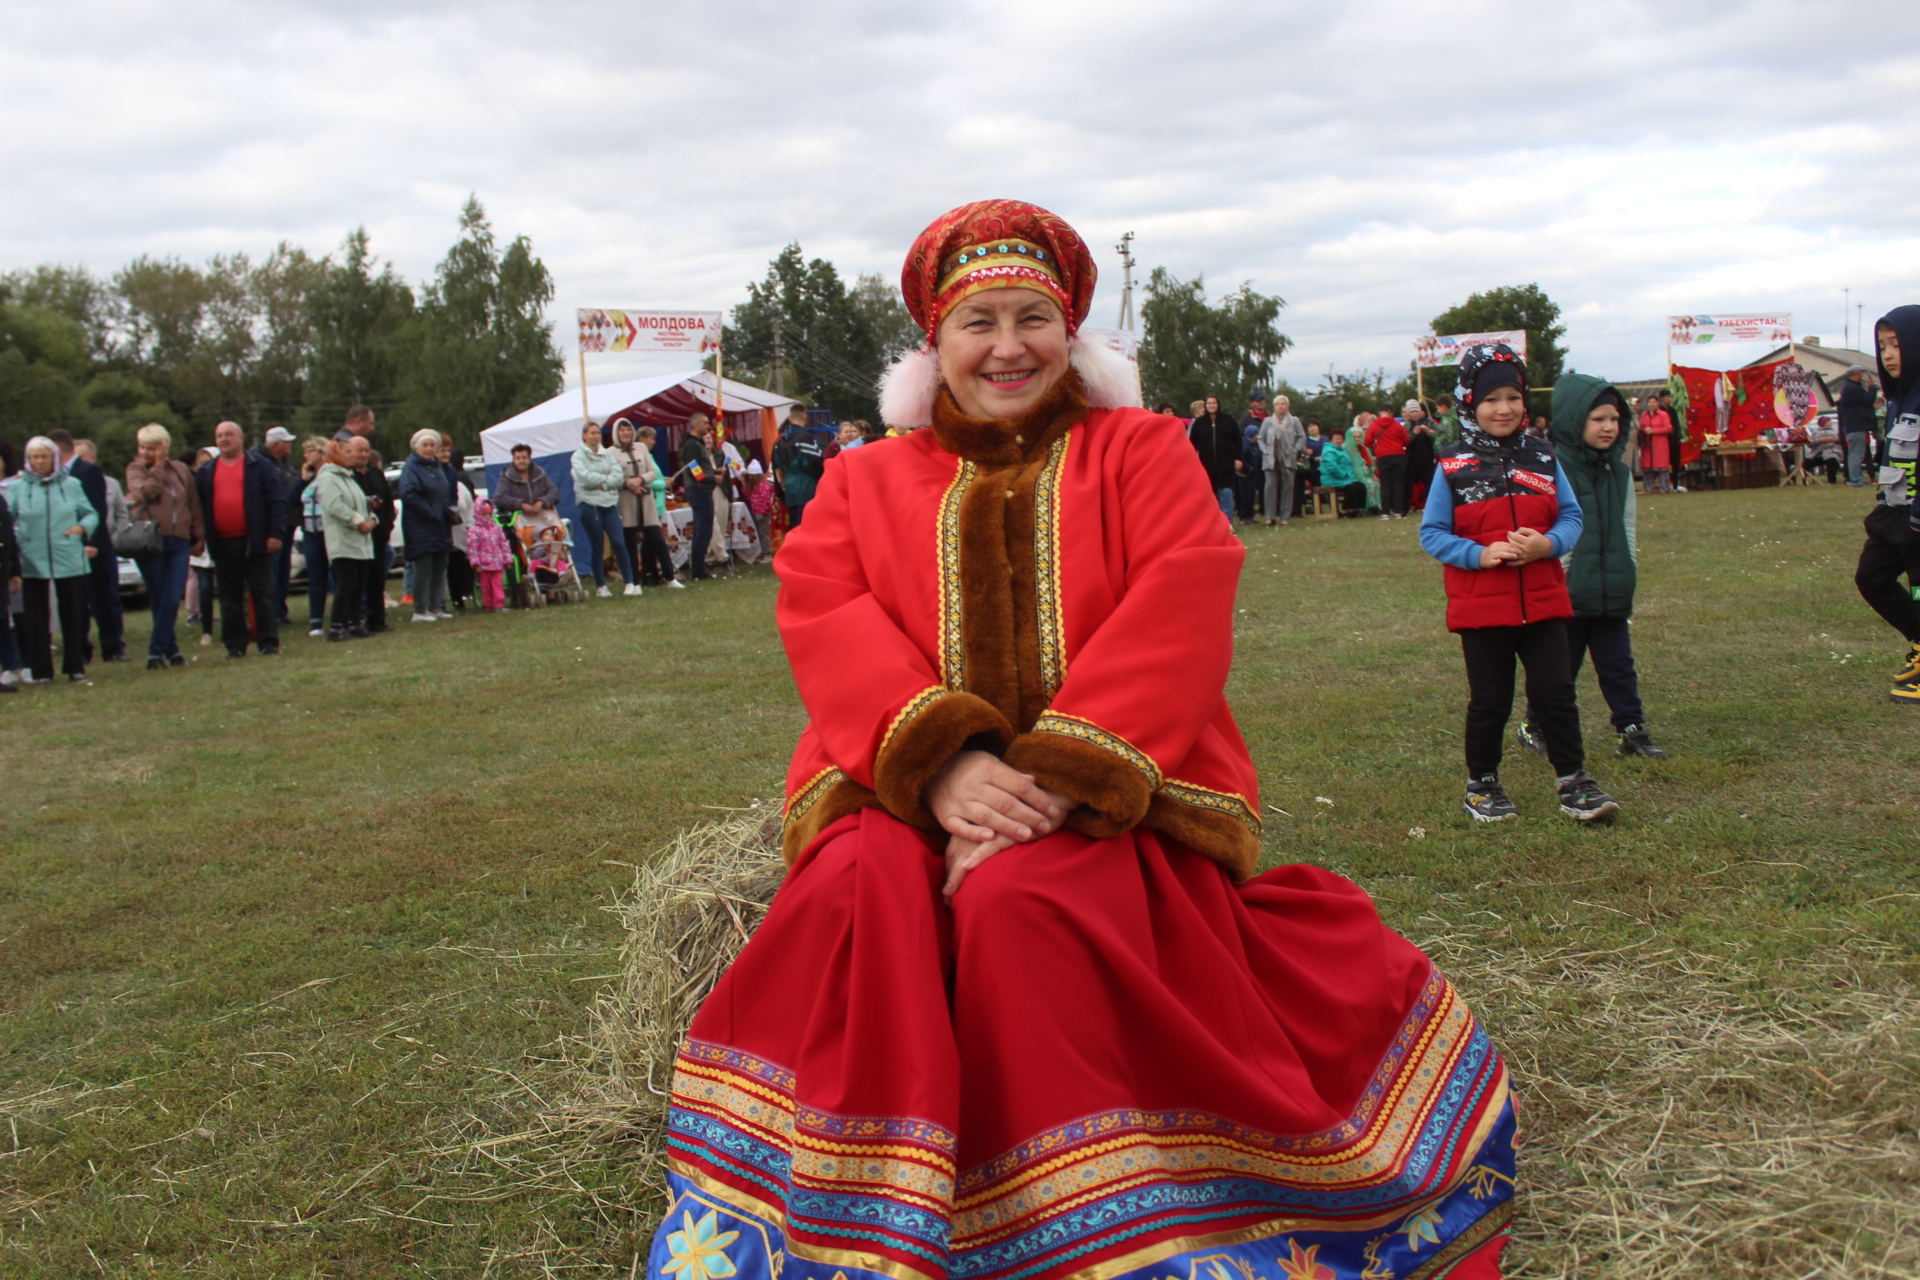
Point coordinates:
[(54, 519), (162, 490), (426, 505)]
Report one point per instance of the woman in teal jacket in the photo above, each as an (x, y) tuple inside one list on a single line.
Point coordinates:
[(53, 520), (597, 481), (1336, 472)]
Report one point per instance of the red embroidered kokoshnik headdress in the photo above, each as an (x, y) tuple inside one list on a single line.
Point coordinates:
[(997, 244), (1000, 244)]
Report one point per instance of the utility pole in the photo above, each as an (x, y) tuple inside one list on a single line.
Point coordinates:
[(779, 379), (1125, 250)]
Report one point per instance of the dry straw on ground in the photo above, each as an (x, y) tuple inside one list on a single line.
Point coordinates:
[(1683, 1114)]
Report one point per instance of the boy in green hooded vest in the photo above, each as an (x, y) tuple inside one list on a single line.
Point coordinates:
[(1589, 432)]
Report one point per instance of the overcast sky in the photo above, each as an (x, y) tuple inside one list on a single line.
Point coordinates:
[(1372, 163)]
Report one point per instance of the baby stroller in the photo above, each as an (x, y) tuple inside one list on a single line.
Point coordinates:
[(544, 546)]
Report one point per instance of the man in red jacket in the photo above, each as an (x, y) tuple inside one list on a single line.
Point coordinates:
[(1387, 442)]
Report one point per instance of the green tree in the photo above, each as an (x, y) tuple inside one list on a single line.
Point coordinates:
[(878, 301), (1193, 348), (1523, 306), (480, 348), (43, 364), (73, 292), (830, 354), (356, 309), (281, 287), (161, 312)]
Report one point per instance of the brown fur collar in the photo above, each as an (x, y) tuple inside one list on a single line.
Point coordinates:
[(1002, 442)]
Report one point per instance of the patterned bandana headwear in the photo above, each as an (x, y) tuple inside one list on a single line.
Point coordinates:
[(1485, 366), (997, 244)]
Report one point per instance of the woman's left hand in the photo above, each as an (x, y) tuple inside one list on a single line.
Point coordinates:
[(964, 854)]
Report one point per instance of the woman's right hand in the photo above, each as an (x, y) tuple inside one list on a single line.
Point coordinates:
[(978, 797), (78, 531)]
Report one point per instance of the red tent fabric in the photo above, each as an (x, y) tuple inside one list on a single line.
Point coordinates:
[(1749, 402)]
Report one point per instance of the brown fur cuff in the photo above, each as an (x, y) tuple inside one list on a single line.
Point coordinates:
[(841, 796), (1112, 791), (923, 741), (1226, 840)]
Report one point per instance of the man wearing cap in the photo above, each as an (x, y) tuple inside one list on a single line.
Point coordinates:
[(278, 450), (1251, 480), (1856, 421)]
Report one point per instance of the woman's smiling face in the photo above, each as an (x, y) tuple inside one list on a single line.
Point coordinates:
[(1002, 350)]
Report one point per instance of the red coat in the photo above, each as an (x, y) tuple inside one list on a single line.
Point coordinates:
[(1656, 440), (1058, 589), (1386, 438)]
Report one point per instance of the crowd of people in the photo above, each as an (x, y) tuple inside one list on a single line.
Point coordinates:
[(1270, 466), (213, 532)]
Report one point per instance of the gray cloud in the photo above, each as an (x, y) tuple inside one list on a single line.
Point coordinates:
[(1372, 163)]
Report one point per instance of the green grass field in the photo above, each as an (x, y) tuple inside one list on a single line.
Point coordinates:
[(274, 934)]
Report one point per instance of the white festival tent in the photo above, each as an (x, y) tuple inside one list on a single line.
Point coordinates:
[(552, 429)]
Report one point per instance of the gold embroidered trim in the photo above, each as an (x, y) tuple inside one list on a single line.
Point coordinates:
[(1234, 806), (1046, 568), (915, 705), (953, 645), (1087, 731), (811, 794)]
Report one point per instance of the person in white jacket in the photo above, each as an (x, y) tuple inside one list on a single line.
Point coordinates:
[(597, 481)]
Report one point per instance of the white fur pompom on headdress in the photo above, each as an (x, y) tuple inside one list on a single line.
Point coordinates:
[(907, 389), (1112, 376)]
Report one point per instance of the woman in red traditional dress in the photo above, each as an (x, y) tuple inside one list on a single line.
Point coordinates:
[(1022, 1008)]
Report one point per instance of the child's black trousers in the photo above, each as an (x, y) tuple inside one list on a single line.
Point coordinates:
[(1540, 647)]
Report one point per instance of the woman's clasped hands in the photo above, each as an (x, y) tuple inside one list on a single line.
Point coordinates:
[(986, 806)]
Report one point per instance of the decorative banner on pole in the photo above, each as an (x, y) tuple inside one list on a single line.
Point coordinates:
[(695, 333), (1445, 351), (1692, 331)]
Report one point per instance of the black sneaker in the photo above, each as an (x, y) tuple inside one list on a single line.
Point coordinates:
[(1527, 736), (269, 650), (156, 664), (77, 678), (236, 653), (1486, 801), (1635, 741), (176, 660), (1582, 799)]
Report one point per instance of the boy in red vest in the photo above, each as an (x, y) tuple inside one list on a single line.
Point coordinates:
[(1491, 495)]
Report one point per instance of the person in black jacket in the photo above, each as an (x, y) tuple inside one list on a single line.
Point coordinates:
[(9, 578), (278, 450), (1216, 438), (373, 483), (1855, 404), (246, 514), (427, 505), (700, 473), (103, 580)]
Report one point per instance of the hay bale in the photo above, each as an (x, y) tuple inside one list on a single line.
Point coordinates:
[(692, 908)]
